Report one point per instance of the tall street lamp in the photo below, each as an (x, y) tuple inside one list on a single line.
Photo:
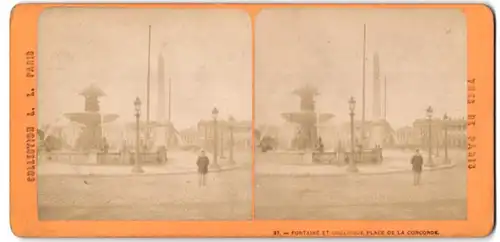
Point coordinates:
[(352, 163), (222, 142), (445, 126), (231, 139), (137, 168), (437, 139), (205, 130), (429, 112), (215, 113)]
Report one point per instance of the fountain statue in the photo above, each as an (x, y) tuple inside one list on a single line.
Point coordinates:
[(307, 118), (92, 120)]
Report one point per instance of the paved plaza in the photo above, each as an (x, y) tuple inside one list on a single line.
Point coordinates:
[(269, 164), (175, 195), (333, 170), (150, 196), (166, 197), (390, 196)]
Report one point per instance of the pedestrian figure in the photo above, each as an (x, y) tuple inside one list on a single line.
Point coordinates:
[(202, 164), (417, 161)]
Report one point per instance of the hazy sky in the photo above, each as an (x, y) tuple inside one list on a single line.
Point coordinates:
[(207, 55), (422, 53)]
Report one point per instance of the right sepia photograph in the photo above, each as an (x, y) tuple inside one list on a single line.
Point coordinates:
[(360, 114)]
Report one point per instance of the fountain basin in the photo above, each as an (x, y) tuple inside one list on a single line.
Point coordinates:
[(306, 117), (89, 118)]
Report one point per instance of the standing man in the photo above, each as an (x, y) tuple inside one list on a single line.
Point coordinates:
[(417, 162), (202, 164)]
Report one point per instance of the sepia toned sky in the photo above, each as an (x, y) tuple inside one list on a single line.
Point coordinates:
[(422, 53), (207, 56)]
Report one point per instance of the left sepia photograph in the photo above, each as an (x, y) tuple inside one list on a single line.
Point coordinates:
[(144, 114)]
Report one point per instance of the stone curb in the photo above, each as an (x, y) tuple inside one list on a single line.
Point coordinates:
[(222, 169), (360, 173)]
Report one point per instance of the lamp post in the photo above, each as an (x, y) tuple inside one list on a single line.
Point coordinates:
[(222, 142), (137, 168), (205, 143), (352, 163), (429, 112), (215, 113), (445, 125), (437, 138), (231, 139), (317, 126)]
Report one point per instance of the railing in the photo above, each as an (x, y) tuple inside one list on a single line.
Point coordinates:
[(339, 158), (373, 156), (113, 158), (282, 157), (333, 158), (64, 156), (101, 158)]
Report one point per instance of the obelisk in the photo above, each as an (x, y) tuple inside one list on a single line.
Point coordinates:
[(162, 129), (377, 132)]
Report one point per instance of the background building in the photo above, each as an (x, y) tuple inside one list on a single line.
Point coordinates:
[(418, 134), (389, 137), (242, 134)]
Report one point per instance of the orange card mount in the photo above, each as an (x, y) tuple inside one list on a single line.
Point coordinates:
[(177, 120)]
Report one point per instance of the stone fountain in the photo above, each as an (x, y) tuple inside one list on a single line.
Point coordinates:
[(307, 119), (91, 119)]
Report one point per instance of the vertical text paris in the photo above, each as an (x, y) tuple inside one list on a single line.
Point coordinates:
[(30, 131)]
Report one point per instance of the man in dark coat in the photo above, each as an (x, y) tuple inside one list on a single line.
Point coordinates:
[(417, 162), (202, 164)]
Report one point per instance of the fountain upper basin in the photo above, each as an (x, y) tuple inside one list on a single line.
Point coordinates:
[(306, 117), (91, 117)]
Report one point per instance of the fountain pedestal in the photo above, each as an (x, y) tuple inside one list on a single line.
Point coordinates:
[(92, 157), (307, 157), (92, 120), (377, 134), (307, 119), (160, 135)]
